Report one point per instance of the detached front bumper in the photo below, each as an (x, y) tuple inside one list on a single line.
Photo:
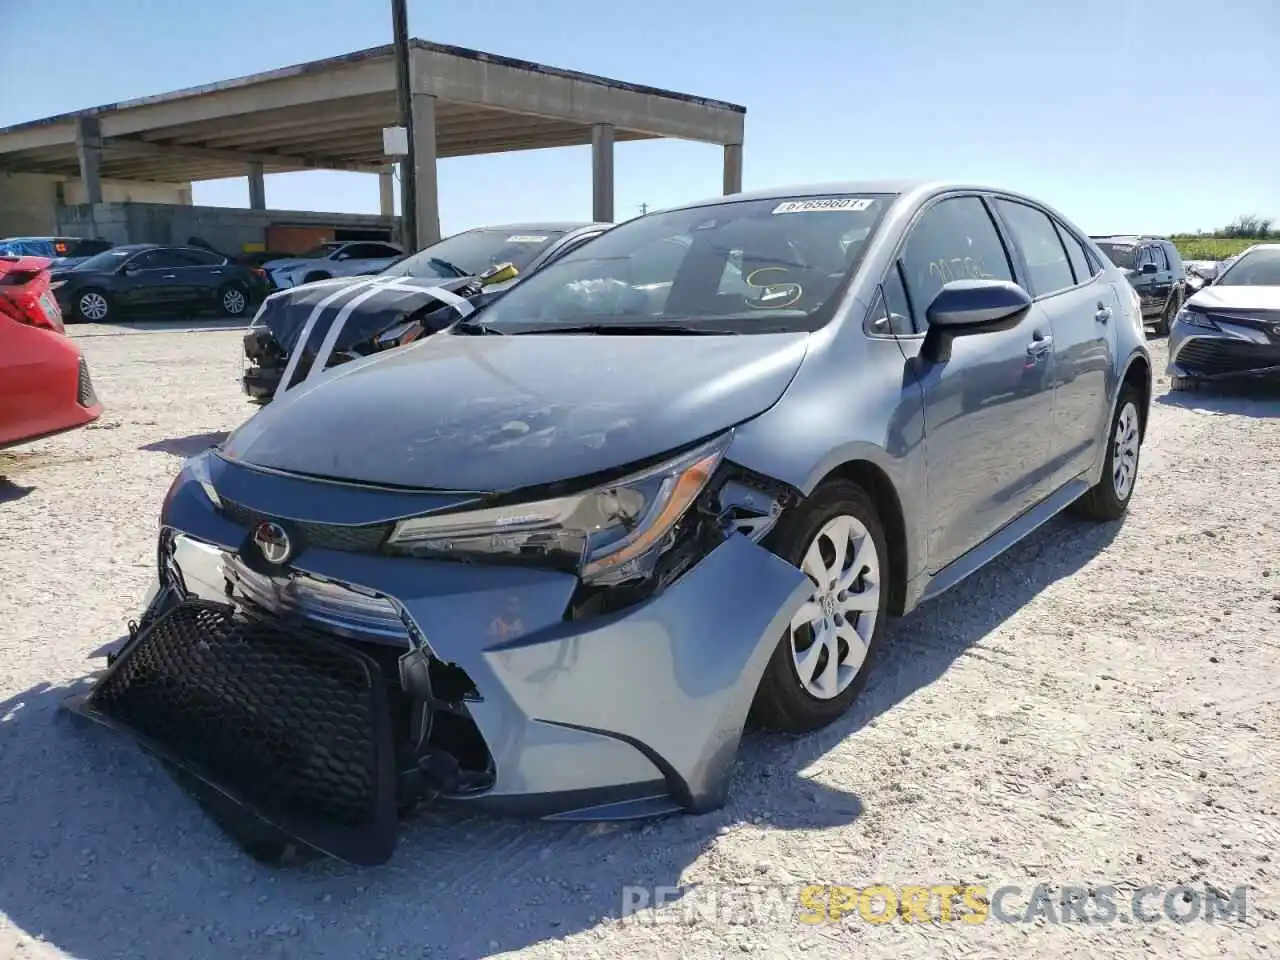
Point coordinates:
[(492, 695), (1235, 350)]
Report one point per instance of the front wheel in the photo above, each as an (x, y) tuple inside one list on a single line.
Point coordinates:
[(1189, 384), (1109, 498), (823, 659)]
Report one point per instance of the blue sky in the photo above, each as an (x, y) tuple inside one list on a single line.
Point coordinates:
[(1089, 105)]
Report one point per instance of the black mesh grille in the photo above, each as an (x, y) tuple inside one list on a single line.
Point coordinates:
[(290, 723), (85, 395), (328, 536), (1207, 357)]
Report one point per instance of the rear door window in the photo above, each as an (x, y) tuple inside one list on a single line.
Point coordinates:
[(1075, 254), (955, 239), (1048, 269)]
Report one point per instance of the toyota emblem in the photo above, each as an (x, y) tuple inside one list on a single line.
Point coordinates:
[(273, 542)]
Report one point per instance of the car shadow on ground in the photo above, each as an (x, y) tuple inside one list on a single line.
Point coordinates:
[(10, 491), (102, 855), (187, 446), (1249, 399)]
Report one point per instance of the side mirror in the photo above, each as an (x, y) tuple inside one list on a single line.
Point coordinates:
[(1149, 268), (967, 307), (129, 269)]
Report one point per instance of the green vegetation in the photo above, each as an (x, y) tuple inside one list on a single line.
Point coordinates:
[(1227, 242)]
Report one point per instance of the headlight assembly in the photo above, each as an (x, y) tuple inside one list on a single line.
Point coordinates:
[(1195, 318), (195, 468), (611, 533)]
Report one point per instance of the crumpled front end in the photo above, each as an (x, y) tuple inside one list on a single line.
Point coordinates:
[(1212, 345), (321, 325), (333, 690)]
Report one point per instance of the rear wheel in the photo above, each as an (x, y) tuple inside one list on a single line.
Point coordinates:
[(823, 659), (93, 306), (233, 300), (1109, 498)]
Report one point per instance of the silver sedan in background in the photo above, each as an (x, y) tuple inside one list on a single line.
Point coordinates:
[(1230, 330)]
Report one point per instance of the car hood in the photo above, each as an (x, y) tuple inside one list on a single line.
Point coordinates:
[(501, 413), (1237, 298), (285, 264), (370, 307)]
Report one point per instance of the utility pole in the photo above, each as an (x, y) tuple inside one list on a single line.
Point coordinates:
[(408, 167), (644, 208)]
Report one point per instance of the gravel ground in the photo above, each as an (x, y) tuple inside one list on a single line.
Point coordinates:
[(1096, 708)]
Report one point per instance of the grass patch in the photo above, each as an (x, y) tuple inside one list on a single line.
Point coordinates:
[(1211, 248)]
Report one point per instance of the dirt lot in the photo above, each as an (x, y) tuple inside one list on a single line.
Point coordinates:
[(1096, 709)]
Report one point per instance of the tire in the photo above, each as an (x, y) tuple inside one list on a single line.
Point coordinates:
[(93, 306), (315, 275), (233, 300), (1109, 498), (785, 701), (1189, 384)]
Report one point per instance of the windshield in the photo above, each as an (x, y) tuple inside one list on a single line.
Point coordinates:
[(107, 260), (320, 252), (1261, 268), (747, 266), (1123, 255), (474, 252)]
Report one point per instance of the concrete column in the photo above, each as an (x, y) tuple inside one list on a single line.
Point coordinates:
[(89, 150), (387, 192), (427, 201), (602, 172), (257, 187), (732, 168)]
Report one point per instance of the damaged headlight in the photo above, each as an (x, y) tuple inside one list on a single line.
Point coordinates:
[(613, 532), (195, 468)]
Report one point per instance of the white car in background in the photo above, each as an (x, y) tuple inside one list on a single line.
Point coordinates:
[(336, 258)]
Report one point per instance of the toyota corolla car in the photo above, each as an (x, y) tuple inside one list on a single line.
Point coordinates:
[(550, 560), (1230, 330)]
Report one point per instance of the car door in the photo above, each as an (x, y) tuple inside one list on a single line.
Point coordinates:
[(150, 280), (1145, 280), (1163, 285), (201, 275), (989, 404), (1057, 273)]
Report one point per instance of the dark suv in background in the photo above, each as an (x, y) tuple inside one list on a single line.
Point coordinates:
[(1155, 270)]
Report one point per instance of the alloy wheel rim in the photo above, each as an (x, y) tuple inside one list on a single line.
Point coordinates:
[(1124, 455), (831, 633), (233, 301), (93, 306)]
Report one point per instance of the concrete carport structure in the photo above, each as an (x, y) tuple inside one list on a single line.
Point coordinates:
[(329, 114)]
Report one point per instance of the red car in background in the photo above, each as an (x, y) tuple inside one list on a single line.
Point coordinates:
[(44, 381)]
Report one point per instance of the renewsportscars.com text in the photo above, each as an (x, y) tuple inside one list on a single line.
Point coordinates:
[(938, 902)]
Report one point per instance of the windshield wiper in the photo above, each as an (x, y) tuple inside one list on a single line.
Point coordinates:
[(632, 329), (476, 328), (448, 266)]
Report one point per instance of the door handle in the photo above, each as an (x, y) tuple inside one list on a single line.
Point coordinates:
[(216, 273), (169, 276), (1040, 345), (1103, 314)]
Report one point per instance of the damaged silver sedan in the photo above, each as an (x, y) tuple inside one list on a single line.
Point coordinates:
[(553, 559)]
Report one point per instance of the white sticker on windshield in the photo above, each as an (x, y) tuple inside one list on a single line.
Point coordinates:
[(525, 238), (828, 204)]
